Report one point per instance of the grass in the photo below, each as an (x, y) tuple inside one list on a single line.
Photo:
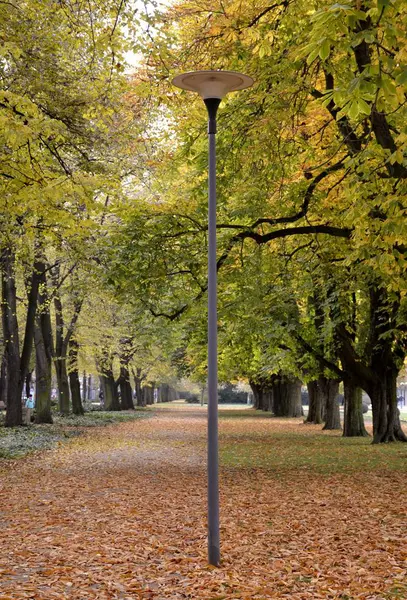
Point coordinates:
[(17, 442), (285, 445), (244, 413), (99, 418)]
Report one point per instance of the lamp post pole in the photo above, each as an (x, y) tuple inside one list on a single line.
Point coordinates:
[(212, 87), (212, 105)]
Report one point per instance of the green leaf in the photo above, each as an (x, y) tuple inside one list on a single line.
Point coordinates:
[(369, 37), (353, 112), (401, 78), (327, 98), (311, 57), (363, 107), (339, 97), (325, 49)]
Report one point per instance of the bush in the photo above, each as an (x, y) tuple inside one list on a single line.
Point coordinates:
[(229, 394)]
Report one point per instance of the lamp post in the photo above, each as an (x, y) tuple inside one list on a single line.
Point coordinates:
[(212, 86)]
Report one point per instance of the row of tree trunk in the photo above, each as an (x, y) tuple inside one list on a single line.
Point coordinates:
[(281, 395), (56, 348), (324, 406), (118, 394)]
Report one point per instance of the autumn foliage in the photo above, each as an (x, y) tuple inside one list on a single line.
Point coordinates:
[(119, 513)]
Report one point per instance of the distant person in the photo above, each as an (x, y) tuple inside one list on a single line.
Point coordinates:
[(29, 405)]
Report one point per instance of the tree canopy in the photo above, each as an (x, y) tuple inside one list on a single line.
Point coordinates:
[(104, 171)]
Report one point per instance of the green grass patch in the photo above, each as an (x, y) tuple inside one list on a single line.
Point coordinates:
[(288, 446), (17, 442), (244, 413), (99, 418)]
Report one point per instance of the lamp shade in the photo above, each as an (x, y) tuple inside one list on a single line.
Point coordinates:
[(212, 84)]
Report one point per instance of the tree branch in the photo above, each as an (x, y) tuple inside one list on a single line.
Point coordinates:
[(265, 12), (324, 362)]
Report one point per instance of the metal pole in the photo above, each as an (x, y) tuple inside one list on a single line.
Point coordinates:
[(213, 467)]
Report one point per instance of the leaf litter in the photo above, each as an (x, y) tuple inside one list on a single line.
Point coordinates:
[(120, 513)]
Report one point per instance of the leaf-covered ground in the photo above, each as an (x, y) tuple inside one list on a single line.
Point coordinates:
[(120, 513), (19, 441)]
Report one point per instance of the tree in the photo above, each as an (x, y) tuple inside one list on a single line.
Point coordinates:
[(55, 176), (328, 142)]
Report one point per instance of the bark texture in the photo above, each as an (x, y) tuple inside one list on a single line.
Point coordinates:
[(353, 423), (16, 364), (262, 393), (84, 387), (287, 397), (126, 353), (43, 379), (330, 390), (3, 380), (138, 379), (148, 394), (386, 416), (44, 352), (74, 382), (376, 372), (314, 403), (108, 383), (63, 335), (126, 393)]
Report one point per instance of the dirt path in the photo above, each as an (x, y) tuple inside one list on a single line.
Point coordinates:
[(120, 513)]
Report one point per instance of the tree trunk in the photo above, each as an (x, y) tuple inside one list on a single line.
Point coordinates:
[(386, 419), (139, 393), (353, 423), (17, 365), (43, 378), (314, 403), (63, 385), (164, 396), (28, 379), (89, 388), (75, 386), (108, 383), (148, 394), (332, 414), (14, 415), (138, 378), (3, 380), (43, 353), (258, 397), (62, 339), (377, 370), (84, 387), (394, 425), (74, 383), (287, 397), (268, 399), (111, 401), (125, 389)]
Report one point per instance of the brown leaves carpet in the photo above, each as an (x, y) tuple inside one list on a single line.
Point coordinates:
[(120, 513)]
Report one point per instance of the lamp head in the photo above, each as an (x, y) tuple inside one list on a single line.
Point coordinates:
[(212, 84)]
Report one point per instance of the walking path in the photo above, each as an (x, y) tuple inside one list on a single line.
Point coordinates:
[(119, 513)]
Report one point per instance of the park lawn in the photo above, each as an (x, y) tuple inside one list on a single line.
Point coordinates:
[(340, 500), (290, 445), (120, 513)]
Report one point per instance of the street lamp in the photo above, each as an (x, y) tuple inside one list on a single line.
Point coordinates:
[(212, 86)]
